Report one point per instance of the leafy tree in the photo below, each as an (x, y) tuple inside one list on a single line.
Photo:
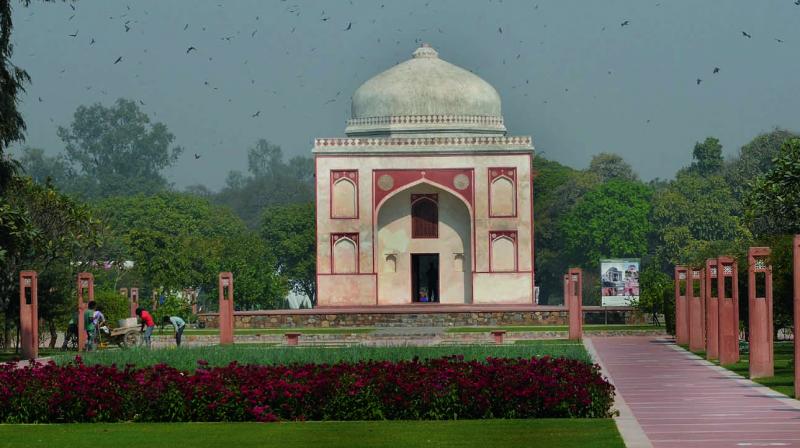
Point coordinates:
[(289, 232), (117, 151), (270, 181), (656, 294), (43, 168), (607, 166), (773, 203), (609, 221), (707, 157), (12, 83), (754, 159), (556, 189), (178, 240), (43, 230), (692, 216)]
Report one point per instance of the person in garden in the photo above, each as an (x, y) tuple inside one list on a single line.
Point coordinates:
[(72, 331), (98, 320), (88, 324), (147, 324), (179, 325)]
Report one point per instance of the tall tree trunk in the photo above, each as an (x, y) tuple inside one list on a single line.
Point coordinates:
[(53, 333)]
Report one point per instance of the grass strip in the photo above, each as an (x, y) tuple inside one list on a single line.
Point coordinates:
[(186, 358), (567, 433)]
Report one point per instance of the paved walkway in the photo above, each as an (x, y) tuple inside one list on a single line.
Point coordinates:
[(680, 400)]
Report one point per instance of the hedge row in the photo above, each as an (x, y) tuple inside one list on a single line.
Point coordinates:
[(443, 388)]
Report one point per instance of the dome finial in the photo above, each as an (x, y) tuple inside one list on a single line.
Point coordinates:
[(425, 51)]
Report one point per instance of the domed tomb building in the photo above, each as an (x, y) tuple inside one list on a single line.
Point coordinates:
[(426, 200)]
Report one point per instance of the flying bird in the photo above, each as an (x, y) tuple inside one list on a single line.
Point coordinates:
[(190, 49), (780, 41), (716, 69), (253, 34), (127, 28), (92, 42), (349, 26), (117, 61), (141, 102), (746, 35), (185, 27), (196, 156), (699, 81), (500, 29), (625, 23), (73, 35), (72, 6), (797, 2), (256, 114)]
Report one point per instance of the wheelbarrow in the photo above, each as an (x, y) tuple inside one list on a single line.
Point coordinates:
[(126, 335)]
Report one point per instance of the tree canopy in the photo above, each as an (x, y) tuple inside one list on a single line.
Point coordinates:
[(117, 151)]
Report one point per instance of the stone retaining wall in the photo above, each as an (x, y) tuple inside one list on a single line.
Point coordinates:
[(284, 319)]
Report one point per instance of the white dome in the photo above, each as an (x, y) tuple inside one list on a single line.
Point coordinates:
[(425, 95)]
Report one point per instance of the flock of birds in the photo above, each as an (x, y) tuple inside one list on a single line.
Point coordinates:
[(129, 24)]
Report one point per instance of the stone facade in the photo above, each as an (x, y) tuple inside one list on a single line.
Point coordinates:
[(425, 135)]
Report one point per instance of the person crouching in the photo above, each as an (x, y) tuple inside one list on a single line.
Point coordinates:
[(179, 325)]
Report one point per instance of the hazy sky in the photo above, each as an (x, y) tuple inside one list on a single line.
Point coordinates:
[(567, 72)]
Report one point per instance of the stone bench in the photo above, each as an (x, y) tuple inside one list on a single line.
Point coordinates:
[(498, 336), (292, 338)]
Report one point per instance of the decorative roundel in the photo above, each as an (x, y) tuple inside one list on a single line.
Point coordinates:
[(385, 182), (461, 182)]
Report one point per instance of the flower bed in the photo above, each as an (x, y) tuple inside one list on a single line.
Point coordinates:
[(443, 388)]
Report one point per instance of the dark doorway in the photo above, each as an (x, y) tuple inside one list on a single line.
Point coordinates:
[(425, 278)]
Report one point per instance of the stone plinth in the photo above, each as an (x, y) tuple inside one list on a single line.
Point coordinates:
[(226, 323), (85, 288), (681, 305), (697, 340), (728, 310), (712, 310), (29, 314), (760, 311)]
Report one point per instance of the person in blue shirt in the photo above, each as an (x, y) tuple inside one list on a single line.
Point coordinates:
[(179, 325)]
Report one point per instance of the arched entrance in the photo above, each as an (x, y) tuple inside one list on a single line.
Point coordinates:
[(423, 243)]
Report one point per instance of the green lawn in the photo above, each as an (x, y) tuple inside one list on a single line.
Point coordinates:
[(43, 352), (186, 358), (534, 328), (782, 382), (462, 434), (256, 331)]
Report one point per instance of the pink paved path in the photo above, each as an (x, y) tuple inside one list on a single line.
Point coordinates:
[(681, 401)]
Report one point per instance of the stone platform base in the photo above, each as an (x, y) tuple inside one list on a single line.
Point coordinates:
[(422, 316)]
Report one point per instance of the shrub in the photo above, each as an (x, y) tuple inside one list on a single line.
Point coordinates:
[(442, 388)]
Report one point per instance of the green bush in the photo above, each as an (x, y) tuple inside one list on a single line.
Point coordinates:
[(114, 305)]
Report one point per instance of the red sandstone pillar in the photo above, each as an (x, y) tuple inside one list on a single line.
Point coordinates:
[(796, 278), (681, 305), (85, 283), (697, 340), (760, 310), (226, 323), (29, 314), (728, 311), (575, 304), (134, 301), (712, 324)]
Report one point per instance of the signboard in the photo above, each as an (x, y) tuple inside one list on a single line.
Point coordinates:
[(620, 281)]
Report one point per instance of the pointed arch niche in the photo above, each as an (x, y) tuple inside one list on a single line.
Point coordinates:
[(344, 194), (503, 251), (502, 192), (344, 253)]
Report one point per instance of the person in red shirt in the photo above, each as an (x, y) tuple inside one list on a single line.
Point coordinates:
[(148, 322)]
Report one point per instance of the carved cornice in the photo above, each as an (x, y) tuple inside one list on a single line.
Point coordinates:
[(523, 141), (428, 119)]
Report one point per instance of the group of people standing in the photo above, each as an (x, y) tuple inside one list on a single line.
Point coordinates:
[(94, 320)]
